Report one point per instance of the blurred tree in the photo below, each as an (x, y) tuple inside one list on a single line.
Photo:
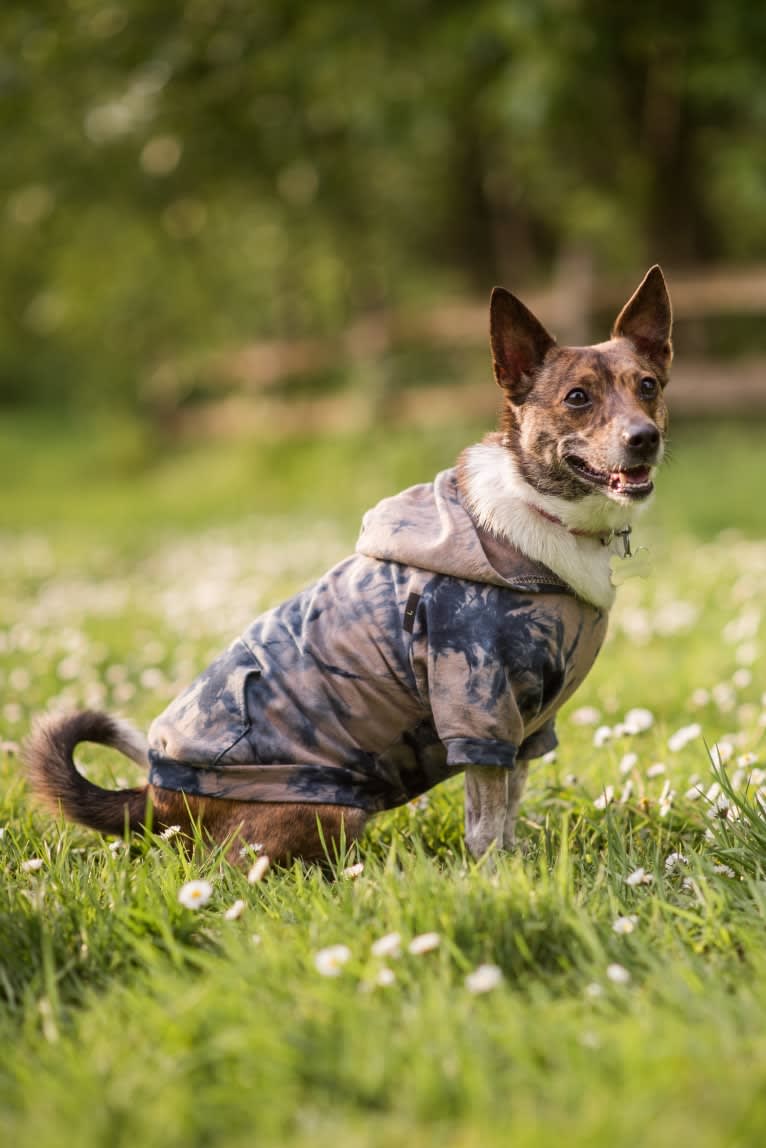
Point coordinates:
[(189, 174)]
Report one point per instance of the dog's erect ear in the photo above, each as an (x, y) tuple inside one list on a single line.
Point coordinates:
[(519, 344), (647, 320)]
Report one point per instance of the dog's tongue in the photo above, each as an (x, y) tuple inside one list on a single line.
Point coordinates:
[(636, 476)]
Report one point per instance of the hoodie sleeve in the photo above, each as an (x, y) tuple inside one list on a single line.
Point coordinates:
[(476, 695)]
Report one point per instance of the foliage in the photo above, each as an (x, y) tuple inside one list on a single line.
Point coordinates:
[(192, 174)]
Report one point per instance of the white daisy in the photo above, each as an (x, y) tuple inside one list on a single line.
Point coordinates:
[(424, 943), (483, 979), (683, 736), (721, 752), (747, 759), (667, 797), (605, 798), (639, 877), (628, 762), (675, 861), (602, 735), (352, 871), (388, 946), (638, 720), (586, 715), (258, 869), (330, 961), (624, 925), (194, 894), (32, 865), (618, 974), (248, 850), (235, 911)]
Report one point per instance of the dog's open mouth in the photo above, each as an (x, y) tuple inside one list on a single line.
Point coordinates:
[(632, 482)]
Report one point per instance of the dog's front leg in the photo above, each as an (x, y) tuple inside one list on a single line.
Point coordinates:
[(492, 798)]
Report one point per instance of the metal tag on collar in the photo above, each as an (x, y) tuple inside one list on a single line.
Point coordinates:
[(624, 534)]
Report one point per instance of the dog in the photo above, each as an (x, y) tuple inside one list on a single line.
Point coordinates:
[(472, 608)]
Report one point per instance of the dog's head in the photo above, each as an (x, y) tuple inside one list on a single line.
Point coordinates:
[(586, 420)]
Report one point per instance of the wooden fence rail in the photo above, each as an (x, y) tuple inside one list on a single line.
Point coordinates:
[(248, 376)]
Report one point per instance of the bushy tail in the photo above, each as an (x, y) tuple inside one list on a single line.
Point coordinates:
[(54, 778)]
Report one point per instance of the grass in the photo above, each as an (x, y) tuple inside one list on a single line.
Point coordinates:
[(127, 1018)]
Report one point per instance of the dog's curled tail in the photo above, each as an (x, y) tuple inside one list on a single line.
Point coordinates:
[(54, 777)]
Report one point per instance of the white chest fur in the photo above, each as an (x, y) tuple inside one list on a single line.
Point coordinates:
[(502, 501)]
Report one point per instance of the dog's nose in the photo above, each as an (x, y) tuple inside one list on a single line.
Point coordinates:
[(642, 437)]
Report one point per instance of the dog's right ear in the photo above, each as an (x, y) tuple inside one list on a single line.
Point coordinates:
[(519, 344)]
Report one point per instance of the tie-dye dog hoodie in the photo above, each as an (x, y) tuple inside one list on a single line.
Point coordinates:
[(432, 647)]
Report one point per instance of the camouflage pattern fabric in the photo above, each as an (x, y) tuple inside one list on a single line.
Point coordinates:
[(409, 660)]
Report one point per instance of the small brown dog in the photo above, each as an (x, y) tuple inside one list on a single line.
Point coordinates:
[(471, 610)]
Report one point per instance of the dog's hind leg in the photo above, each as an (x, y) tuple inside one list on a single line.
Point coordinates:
[(283, 830)]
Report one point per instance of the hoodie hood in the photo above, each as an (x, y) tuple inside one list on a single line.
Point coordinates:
[(428, 526)]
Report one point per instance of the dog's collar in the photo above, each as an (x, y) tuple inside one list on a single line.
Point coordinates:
[(604, 536)]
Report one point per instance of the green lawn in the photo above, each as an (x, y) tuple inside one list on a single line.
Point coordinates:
[(128, 1019)]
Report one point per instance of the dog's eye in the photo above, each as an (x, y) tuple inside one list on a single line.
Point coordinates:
[(577, 398), (648, 387)]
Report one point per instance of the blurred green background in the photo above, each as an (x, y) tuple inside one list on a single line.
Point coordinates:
[(222, 219)]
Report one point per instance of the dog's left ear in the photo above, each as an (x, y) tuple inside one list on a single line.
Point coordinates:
[(647, 320), (519, 344)]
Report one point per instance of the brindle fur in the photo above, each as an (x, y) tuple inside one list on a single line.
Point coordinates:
[(536, 375), (311, 832)]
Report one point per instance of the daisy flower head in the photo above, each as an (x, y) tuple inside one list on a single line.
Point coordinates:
[(329, 962), (389, 945), (603, 734), (675, 861), (195, 894), (483, 979), (638, 720), (235, 911), (605, 798), (683, 736), (624, 925), (251, 848), (424, 943), (586, 715), (629, 761), (618, 974), (33, 865), (258, 869), (639, 877), (721, 752)]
